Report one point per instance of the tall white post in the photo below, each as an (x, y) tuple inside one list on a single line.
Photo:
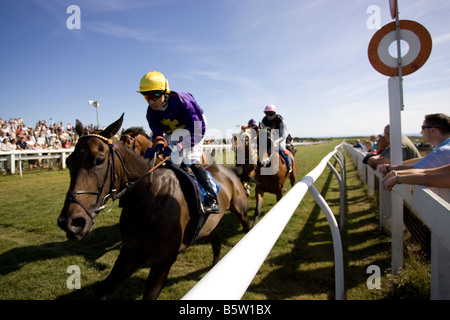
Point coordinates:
[(395, 107)]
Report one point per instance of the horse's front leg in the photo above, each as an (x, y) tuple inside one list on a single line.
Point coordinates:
[(158, 275), (259, 193), (214, 239), (125, 265)]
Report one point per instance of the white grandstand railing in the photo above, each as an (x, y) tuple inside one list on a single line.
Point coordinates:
[(231, 276), (21, 155), (431, 205)]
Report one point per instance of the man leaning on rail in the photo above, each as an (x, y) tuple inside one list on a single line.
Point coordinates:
[(435, 131)]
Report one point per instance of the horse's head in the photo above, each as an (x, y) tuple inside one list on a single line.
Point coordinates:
[(93, 179), (246, 151), (267, 155), (136, 139), (127, 138)]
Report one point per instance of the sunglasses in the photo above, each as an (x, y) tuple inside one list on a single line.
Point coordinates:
[(153, 95), (428, 127), (270, 114)]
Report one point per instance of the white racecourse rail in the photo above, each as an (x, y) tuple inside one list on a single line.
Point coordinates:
[(230, 278), (20, 155), (431, 205)]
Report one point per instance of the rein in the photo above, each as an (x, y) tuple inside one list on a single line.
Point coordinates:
[(130, 185)]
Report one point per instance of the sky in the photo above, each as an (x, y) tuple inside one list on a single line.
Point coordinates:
[(308, 58)]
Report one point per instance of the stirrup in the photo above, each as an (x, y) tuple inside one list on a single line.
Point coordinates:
[(211, 207)]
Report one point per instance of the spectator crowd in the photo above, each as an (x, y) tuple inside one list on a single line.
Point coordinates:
[(42, 136), (16, 135), (432, 170)]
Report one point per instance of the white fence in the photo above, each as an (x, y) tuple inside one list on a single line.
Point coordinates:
[(431, 205), (227, 148), (17, 156), (20, 155), (230, 278)]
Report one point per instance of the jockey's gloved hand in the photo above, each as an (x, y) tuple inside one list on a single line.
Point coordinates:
[(159, 148), (149, 153), (167, 151), (171, 149)]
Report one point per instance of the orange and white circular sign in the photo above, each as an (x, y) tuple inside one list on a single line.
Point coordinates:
[(414, 34)]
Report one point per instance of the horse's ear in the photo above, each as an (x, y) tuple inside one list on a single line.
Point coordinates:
[(79, 128), (113, 128)]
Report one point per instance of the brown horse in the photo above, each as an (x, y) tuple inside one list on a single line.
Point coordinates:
[(155, 222), (136, 139), (270, 177), (139, 141)]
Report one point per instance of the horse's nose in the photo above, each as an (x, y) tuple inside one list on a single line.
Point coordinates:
[(76, 225), (72, 226)]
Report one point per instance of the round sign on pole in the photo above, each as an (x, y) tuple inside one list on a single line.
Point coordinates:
[(413, 33), (394, 8)]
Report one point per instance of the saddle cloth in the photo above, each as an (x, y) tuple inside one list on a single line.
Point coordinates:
[(195, 195), (214, 184)]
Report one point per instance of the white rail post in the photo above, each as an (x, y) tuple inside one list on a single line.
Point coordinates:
[(63, 160), (341, 195), (395, 107), (337, 244), (20, 165), (12, 163)]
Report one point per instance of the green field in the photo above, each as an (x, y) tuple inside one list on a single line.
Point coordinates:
[(35, 254)]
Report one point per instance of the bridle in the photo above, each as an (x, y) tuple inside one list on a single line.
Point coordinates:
[(112, 193), (72, 195)]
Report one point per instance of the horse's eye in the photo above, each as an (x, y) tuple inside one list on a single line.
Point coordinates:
[(99, 161)]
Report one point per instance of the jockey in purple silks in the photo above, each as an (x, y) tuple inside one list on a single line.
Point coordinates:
[(174, 115)]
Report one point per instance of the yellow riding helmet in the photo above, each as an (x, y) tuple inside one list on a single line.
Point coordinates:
[(152, 81)]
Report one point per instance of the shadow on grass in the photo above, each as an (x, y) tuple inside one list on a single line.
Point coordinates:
[(95, 245), (130, 289)]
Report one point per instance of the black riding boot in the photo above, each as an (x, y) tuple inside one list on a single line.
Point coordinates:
[(211, 205)]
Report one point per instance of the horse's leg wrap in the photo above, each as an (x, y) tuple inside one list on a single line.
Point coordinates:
[(212, 205)]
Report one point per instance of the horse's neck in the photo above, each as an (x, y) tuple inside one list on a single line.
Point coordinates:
[(135, 165), (143, 142)]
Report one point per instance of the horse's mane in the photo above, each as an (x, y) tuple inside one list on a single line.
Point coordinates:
[(136, 131)]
